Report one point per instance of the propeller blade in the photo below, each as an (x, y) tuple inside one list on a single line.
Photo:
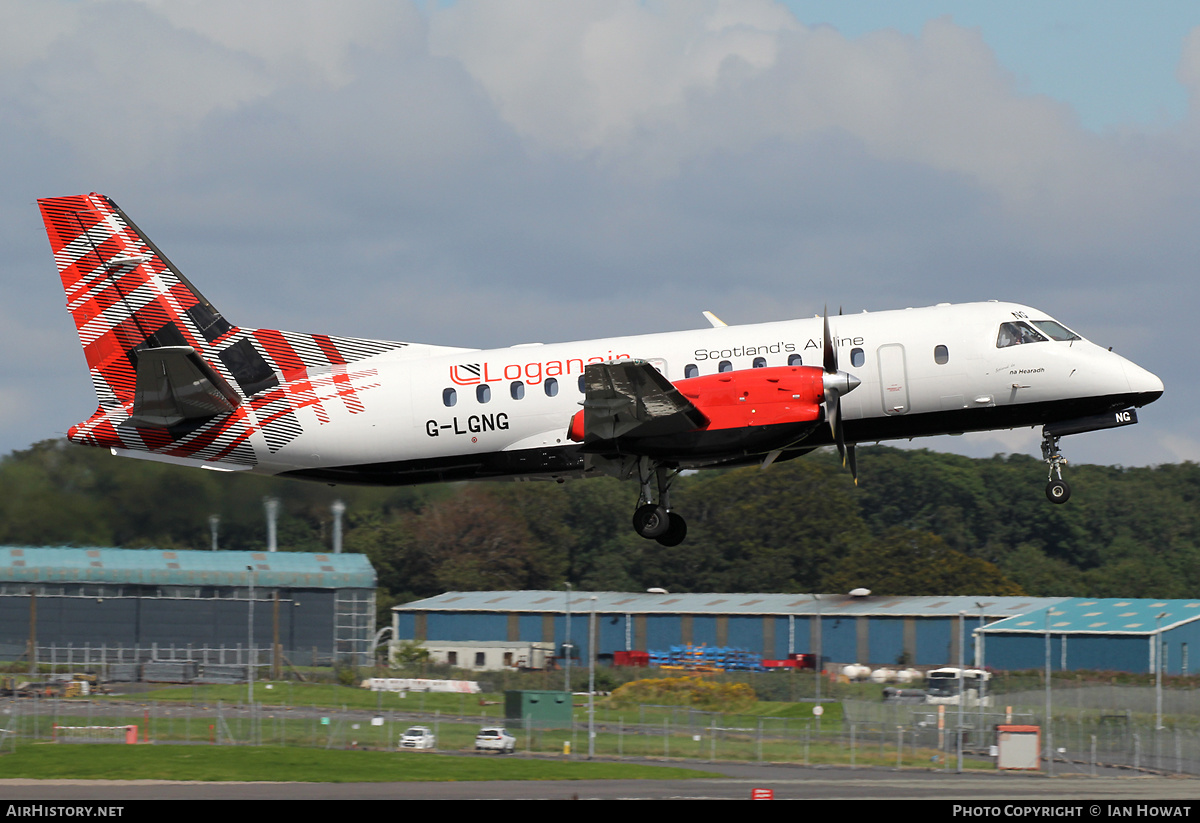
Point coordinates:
[(833, 412), (829, 353), (839, 435), (837, 383)]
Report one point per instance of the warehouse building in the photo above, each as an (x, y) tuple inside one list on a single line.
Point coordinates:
[(1106, 634), (105, 602), (921, 631)]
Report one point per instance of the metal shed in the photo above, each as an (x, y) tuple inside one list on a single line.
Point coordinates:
[(71, 599), (1102, 634), (869, 630)]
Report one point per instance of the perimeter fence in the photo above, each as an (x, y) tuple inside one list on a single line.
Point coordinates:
[(867, 733)]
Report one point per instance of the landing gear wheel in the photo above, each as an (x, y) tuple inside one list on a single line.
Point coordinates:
[(651, 521), (1057, 491), (676, 531)]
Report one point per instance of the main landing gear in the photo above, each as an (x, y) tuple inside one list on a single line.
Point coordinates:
[(656, 521), (1057, 489)]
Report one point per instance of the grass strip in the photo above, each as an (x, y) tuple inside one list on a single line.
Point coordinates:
[(269, 763)]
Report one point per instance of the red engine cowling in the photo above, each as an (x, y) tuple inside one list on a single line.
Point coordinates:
[(748, 398)]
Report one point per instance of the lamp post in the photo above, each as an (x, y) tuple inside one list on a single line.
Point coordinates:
[(962, 682), (1158, 667), (250, 639), (980, 658), (592, 680), (567, 643), (1049, 742), (818, 664)]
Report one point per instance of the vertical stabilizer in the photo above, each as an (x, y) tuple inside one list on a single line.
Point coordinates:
[(174, 379), (124, 295)]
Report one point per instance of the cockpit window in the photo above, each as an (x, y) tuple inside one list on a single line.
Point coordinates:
[(1012, 334), (1055, 330)]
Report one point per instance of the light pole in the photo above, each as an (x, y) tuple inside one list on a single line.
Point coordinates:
[(1158, 667), (980, 658), (592, 680), (1049, 742), (962, 682), (567, 643), (250, 639), (819, 663)]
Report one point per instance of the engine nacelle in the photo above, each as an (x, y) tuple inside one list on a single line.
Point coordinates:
[(748, 398)]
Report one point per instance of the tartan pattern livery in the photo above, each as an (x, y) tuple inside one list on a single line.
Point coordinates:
[(125, 296)]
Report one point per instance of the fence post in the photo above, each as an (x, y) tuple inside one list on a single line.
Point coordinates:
[(852, 744)]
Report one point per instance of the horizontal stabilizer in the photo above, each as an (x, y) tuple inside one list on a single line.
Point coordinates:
[(174, 385)]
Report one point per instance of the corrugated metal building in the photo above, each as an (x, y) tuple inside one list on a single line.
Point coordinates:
[(1099, 634), (920, 631), (145, 597)]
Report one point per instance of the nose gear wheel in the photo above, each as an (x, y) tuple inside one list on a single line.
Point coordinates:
[(1057, 489)]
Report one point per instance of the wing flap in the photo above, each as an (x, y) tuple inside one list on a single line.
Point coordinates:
[(632, 399)]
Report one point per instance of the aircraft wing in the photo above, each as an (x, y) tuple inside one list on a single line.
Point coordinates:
[(632, 399)]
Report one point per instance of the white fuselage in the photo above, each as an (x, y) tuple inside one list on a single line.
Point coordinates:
[(441, 414)]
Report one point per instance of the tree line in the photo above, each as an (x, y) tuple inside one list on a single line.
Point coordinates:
[(919, 522)]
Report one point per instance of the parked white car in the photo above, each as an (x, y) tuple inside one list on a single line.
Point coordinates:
[(418, 737), (495, 739)]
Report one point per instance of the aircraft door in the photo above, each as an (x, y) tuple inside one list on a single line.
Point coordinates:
[(893, 379)]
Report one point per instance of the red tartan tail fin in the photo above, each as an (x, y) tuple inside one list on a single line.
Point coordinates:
[(173, 377), (126, 297)]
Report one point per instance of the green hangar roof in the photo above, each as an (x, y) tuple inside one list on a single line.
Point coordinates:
[(156, 567), (1112, 615)]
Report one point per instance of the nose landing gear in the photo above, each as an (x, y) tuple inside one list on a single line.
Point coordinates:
[(656, 521), (1057, 489)]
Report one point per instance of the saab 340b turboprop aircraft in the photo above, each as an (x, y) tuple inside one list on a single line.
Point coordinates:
[(179, 383)]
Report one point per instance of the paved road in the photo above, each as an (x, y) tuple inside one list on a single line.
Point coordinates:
[(788, 783)]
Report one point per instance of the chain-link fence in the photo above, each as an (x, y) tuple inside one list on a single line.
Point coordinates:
[(168, 662), (1092, 728)]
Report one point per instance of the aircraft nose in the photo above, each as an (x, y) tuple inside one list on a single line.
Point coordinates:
[(1143, 383)]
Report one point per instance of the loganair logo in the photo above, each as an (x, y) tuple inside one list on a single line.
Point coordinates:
[(468, 374)]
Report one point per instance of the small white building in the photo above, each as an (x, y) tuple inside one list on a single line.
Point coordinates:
[(490, 655)]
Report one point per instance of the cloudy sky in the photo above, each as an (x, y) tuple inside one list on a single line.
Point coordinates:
[(491, 173)]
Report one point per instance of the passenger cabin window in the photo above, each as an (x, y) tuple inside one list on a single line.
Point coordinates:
[(941, 355), (725, 365), (857, 357), (795, 360), (449, 397), (517, 390), (1014, 334), (483, 393), (760, 362), (691, 370), (551, 387)]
